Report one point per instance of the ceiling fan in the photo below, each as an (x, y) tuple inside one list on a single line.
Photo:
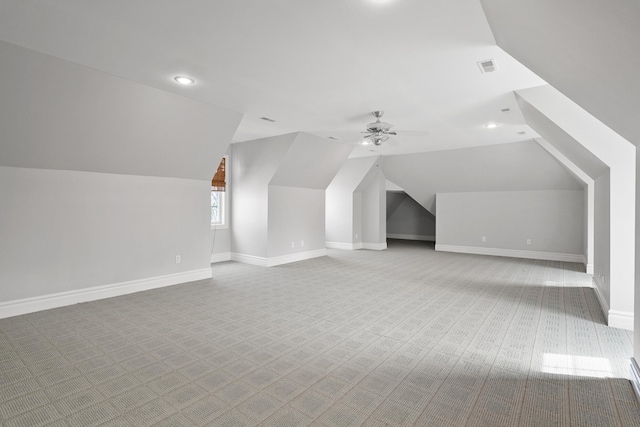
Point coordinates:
[(378, 132)]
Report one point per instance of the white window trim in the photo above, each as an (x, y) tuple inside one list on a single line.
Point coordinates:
[(225, 204)]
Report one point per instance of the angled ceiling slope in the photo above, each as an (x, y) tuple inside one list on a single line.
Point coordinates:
[(586, 50), (520, 166), (316, 67), (59, 115)]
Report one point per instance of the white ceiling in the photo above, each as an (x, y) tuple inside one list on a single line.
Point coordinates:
[(318, 67)]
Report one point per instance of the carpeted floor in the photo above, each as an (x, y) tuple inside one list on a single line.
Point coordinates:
[(406, 336)]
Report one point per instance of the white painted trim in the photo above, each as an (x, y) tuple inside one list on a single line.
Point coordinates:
[(635, 377), (249, 259), (620, 319), (513, 253), (411, 237), (221, 257), (604, 305), (46, 302), (589, 268), (343, 246), (279, 260), (375, 246), (301, 256)]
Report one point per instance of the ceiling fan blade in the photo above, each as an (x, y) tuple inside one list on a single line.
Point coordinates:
[(391, 133), (392, 142)]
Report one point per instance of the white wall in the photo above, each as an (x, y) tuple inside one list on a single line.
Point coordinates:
[(374, 204), (344, 202), (406, 219), (272, 202), (104, 182), (553, 220), (602, 240), (505, 167), (296, 220), (68, 231), (253, 164), (619, 155)]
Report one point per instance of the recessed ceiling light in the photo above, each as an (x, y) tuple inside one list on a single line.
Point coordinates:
[(184, 80), (505, 110), (365, 142), (333, 137), (267, 119), (522, 133), (491, 125)]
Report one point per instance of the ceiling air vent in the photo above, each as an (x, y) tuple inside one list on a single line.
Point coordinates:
[(487, 66)]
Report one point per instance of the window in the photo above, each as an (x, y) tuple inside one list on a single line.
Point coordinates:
[(217, 207), (218, 195)]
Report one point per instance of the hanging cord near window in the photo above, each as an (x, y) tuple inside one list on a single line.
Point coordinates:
[(213, 243)]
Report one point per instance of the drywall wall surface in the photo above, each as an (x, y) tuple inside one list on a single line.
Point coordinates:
[(636, 318), (56, 114), (620, 156), (409, 220), (65, 231), (253, 164), (296, 220), (220, 240), (342, 220), (311, 162), (584, 159), (357, 218), (552, 220), (589, 200), (602, 240), (374, 206), (581, 34), (522, 166)]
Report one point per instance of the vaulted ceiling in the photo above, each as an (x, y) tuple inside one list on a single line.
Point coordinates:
[(317, 67)]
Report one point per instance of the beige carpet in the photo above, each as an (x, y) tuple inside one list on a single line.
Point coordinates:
[(406, 336)]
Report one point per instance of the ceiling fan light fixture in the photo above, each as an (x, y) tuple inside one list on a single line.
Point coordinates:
[(184, 80)]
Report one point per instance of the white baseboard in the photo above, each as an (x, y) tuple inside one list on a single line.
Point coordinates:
[(615, 318), (249, 259), (301, 256), (635, 377), (343, 246), (375, 246), (46, 302), (589, 268), (512, 253), (620, 319), (221, 257), (411, 237), (279, 260)]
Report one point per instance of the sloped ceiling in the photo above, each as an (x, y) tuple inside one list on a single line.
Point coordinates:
[(310, 162), (507, 167), (55, 114), (586, 50), (316, 67), (561, 140)]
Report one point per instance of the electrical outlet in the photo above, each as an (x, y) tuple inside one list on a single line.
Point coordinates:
[(484, 238), (528, 241), (178, 259)]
